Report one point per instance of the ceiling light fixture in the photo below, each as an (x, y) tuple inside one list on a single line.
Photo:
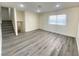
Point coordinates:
[(21, 5), (57, 5), (38, 8)]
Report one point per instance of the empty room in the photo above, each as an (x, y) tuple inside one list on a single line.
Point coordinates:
[(39, 28)]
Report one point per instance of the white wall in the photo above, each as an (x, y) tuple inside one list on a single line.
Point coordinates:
[(72, 22), (5, 13), (31, 21), (77, 38), (20, 20), (20, 15), (0, 32), (15, 21)]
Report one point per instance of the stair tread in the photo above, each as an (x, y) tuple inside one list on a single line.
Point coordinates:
[(7, 28)]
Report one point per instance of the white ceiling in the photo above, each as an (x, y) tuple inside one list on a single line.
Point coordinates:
[(45, 6)]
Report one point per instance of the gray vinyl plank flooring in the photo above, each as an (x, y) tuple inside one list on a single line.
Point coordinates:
[(39, 43)]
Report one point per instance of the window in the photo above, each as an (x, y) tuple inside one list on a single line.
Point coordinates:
[(52, 19), (61, 19), (57, 19)]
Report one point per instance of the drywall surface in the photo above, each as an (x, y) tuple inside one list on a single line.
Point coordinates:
[(5, 13), (20, 15), (0, 32), (69, 29), (31, 21), (20, 20), (77, 39)]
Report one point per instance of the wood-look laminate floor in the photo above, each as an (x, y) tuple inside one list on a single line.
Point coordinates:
[(39, 43)]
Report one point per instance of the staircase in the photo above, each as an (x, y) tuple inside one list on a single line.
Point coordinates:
[(7, 28)]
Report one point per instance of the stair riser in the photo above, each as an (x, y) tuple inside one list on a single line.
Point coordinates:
[(7, 28)]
